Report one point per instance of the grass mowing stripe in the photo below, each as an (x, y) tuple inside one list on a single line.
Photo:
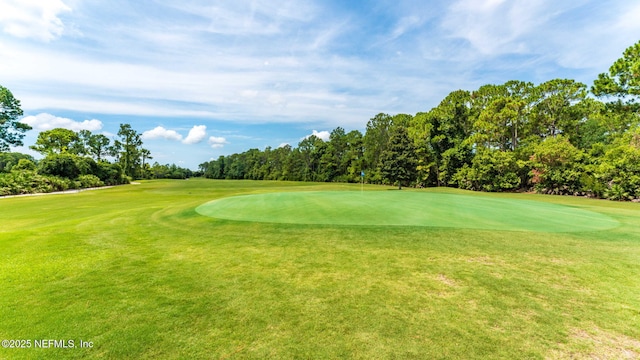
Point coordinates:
[(406, 208)]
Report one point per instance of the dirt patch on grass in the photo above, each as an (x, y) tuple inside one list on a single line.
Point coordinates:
[(597, 344), (447, 281)]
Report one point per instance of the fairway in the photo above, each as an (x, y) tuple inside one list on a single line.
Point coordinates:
[(406, 208), (287, 270)]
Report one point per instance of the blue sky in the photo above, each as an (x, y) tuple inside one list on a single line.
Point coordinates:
[(202, 79)]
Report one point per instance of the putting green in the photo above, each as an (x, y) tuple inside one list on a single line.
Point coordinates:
[(406, 208)]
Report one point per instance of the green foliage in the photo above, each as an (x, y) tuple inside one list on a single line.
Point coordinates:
[(89, 181), (399, 163), (557, 166), (508, 137), (29, 182), (68, 165), (58, 172), (490, 170), (169, 172), (451, 160), (339, 159), (623, 79), (617, 192), (57, 141), (24, 165), (502, 113), (64, 165), (128, 150), (620, 171), (9, 160), (94, 145), (376, 140), (111, 174), (557, 111), (592, 186), (11, 129)]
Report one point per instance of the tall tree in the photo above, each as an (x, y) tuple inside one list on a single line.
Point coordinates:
[(420, 130), (98, 146), (11, 130), (399, 162), (556, 109), (501, 112), (451, 125), (623, 79), (144, 156), (620, 88), (354, 156), (127, 149), (334, 161), (57, 141), (557, 166), (81, 145), (312, 149), (376, 140)]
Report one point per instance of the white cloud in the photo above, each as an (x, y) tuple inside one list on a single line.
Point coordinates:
[(283, 145), (318, 73), (405, 24), (161, 133), (249, 93), (495, 26), (248, 17), (33, 18), (45, 121), (196, 135), (324, 135), (217, 142)]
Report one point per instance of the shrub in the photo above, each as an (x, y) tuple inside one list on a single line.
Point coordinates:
[(88, 181), (63, 165), (24, 164), (490, 170), (617, 192), (9, 160), (111, 174), (620, 168), (29, 182), (557, 166)]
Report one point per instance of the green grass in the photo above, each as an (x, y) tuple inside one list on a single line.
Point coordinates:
[(138, 272), (406, 208)]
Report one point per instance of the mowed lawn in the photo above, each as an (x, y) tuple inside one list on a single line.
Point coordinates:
[(138, 273)]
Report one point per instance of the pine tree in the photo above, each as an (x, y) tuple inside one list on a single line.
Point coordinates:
[(399, 161)]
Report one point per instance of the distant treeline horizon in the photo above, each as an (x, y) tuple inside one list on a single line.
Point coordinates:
[(558, 137)]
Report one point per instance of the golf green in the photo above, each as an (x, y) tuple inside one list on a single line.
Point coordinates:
[(408, 208)]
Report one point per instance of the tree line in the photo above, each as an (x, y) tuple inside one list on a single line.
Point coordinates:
[(557, 137), (72, 160)]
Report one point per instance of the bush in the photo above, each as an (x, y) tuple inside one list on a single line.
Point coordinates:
[(29, 182), (24, 164), (620, 168), (592, 186), (88, 181), (63, 165), (490, 170), (618, 193), (557, 166), (111, 174), (9, 160)]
